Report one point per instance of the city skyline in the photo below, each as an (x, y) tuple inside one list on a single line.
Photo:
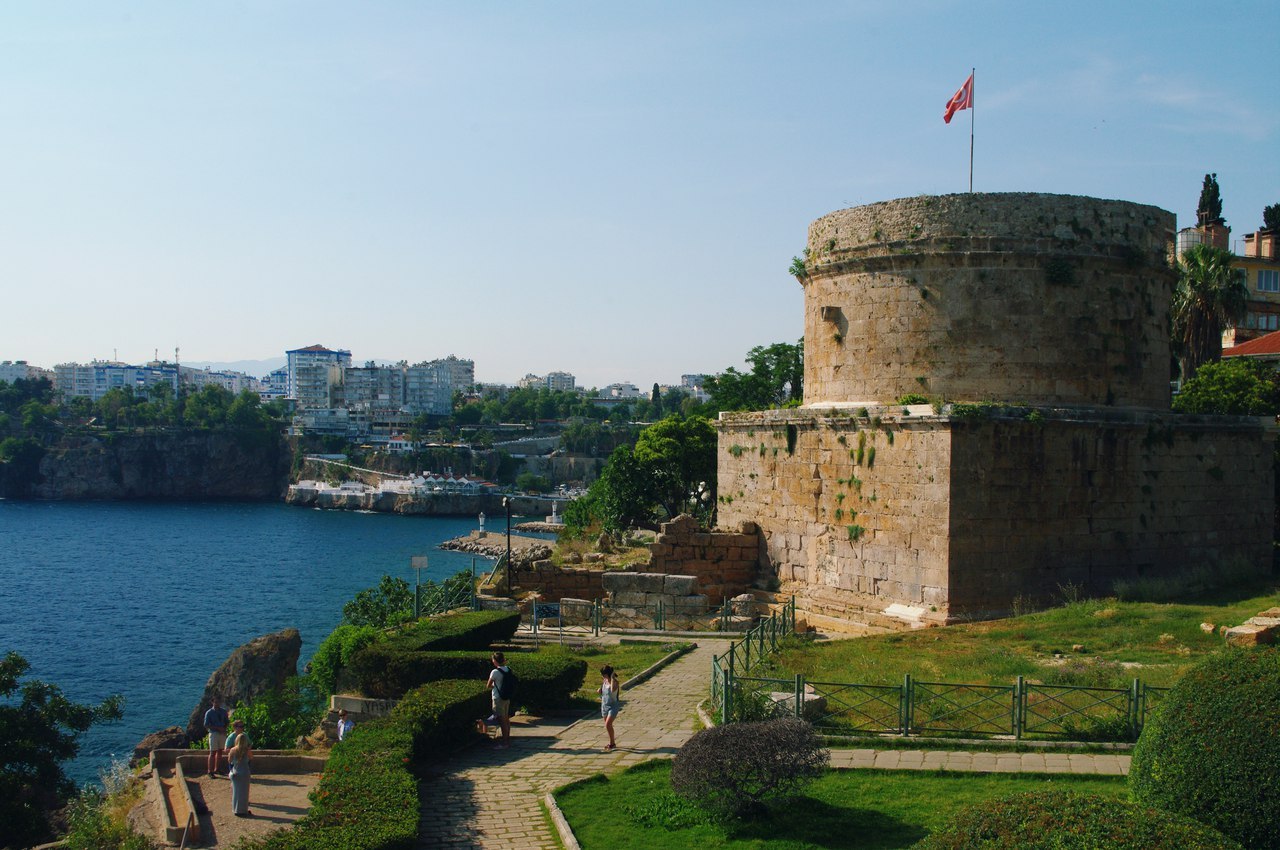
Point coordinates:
[(615, 193)]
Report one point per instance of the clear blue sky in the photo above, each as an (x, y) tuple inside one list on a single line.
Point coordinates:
[(609, 189)]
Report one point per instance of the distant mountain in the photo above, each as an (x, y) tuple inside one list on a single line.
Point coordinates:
[(256, 368)]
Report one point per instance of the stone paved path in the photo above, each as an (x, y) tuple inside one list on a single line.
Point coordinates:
[(487, 798)]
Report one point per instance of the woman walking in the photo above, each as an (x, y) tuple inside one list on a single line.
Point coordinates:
[(238, 757), (610, 701)]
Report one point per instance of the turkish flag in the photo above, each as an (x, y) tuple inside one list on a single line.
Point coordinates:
[(962, 99)]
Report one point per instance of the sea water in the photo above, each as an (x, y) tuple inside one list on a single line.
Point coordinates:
[(147, 599)]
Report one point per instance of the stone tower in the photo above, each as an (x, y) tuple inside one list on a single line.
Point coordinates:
[(1036, 327)]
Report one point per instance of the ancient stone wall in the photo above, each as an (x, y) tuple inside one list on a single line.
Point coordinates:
[(554, 583), (1091, 500), (962, 516), (724, 562), (1040, 299), (852, 503)]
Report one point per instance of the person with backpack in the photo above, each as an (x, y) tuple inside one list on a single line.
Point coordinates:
[(502, 687)]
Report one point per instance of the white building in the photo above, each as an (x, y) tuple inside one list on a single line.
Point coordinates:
[(562, 381), (311, 374), (96, 379), (622, 390), (20, 370)]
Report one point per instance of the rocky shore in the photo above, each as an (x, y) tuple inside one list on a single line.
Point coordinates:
[(524, 550)]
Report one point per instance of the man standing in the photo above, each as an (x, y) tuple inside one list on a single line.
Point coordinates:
[(501, 706), (215, 721)]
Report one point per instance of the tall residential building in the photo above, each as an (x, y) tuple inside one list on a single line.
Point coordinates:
[(20, 370), (312, 374), (96, 379), (561, 381), (276, 384)]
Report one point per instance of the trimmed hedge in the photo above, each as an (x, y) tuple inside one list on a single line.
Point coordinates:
[(472, 630), (1065, 820), (1211, 749), (367, 797), (385, 671)]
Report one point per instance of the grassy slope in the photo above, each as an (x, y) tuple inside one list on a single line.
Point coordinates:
[(1163, 638), (627, 659), (866, 809)]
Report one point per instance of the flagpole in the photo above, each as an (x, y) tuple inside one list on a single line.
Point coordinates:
[(973, 101)]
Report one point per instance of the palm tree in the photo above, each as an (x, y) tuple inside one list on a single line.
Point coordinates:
[(1211, 295)]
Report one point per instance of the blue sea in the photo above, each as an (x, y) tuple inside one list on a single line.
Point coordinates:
[(146, 600)]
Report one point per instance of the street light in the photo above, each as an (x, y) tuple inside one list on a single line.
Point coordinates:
[(506, 505)]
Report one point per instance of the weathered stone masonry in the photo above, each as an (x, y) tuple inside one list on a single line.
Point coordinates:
[(1056, 306)]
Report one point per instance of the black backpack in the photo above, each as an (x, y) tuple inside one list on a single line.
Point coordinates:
[(507, 683)]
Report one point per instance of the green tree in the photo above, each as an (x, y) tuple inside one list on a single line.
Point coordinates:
[(776, 380), (530, 482), (38, 732), (1209, 210), (679, 455), (389, 603), (1210, 296), (1234, 386), (655, 401), (1271, 217)]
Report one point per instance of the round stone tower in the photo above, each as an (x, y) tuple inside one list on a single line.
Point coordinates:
[(1033, 299)]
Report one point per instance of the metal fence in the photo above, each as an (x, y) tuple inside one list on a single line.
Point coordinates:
[(591, 618), (729, 669), (942, 709), (431, 599)]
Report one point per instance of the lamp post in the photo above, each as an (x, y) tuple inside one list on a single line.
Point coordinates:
[(506, 505)]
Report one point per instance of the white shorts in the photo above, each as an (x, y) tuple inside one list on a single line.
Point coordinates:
[(217, 740)]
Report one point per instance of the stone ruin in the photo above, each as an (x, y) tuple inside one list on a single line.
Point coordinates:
[(986, 418)]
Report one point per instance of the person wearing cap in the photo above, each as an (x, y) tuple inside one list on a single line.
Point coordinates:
[(215, 723), (241, 748), (344, 725)]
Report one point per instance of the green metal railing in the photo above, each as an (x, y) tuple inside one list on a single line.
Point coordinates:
[(743, 656), (1018, 711), (430, 599), (601, 615)]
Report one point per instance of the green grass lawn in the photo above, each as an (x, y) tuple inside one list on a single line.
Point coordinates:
[(866, 809), (627, 659), (1122, 641)]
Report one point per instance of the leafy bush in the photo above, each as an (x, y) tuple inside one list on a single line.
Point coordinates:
[(91, 827), (1064, 820), (275, 720), (388, 604), (386, 672), (367, 797), (1237, 385), (335, 652), (736, 770), (1211, 749)]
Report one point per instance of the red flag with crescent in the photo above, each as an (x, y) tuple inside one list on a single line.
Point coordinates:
[(962, 99)]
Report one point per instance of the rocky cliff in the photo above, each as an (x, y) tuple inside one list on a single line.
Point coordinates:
[(170, 465), (434, 504)]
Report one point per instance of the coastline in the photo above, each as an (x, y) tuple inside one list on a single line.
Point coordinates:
[(432, 504)]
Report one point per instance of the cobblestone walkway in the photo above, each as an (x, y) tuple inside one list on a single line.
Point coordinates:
[(487, 798)]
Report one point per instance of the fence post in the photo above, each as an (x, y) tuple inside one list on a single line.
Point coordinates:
[(1135, 710), (595, 619), (1019, 709), (417, 601), (905, 704), (726, 691), (799, 695)]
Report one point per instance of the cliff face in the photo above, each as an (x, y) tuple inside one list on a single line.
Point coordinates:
[(179, 465)]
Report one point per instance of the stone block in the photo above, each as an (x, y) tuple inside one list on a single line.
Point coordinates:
[(1250, 635), (630, 599), (680, 585), (692, 604)]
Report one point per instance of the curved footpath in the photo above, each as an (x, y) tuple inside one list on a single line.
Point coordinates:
[(487, 798)]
